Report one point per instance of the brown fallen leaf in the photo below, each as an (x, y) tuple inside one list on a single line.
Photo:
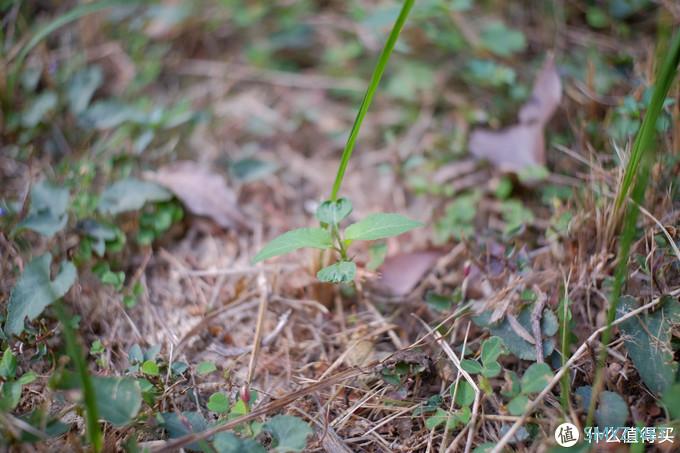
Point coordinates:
[(400, 274), (511, 149), (522, 145), (546, 95), (202, 192)]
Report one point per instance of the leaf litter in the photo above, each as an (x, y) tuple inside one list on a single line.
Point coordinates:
[(205, 275)]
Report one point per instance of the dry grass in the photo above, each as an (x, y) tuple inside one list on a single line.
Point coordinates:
[(322, 350)]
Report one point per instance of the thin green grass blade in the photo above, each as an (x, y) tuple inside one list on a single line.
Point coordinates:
[(370, 91), (75, 352), (565, 345), (647, 131), (642, 158)]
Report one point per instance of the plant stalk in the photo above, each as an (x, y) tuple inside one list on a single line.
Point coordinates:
[(368, 96), (74, 351), (639, 164)]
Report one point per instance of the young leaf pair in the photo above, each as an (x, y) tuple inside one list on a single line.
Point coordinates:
[(328, 236)]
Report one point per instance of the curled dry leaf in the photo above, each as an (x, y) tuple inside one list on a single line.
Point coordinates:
[(522, 145), (202, 192), (400, 274)]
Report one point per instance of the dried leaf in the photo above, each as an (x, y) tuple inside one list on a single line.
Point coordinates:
[(522, 145), (401, 273), (510, 149), (545, 96), (202, 192)]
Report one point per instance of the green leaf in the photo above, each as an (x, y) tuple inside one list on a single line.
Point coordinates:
[(179, 367), (536, 378), (289, 433), (10, 396), (380, 226), (452, 419), (438, 302), (27, 378), (471, 366), (484, 448), (229, 443), (492, 369), (489, 73), (517, 345), (150, 367), (204, 368), (410, 80), (652, 355), (35, 291), (549, 323), (8, 365), (492, 348), (108, 114), (518, 404), (458, 218), (218, 402), (178, 425), (612, 410), (37, 109), (501, 40), (81, 88), (671, 399), (342, 271), (511, 387), (130, 195), (290, 241), (333, 212), (135, 354), (47, 213), (461, 417), (240, 408), (465, 395), (42, 422), (249, 169), (118, 399), (437, 419)]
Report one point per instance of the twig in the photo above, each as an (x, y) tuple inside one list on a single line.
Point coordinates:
[(239, 304), (257, 342), (663, 229), (579, 352), (445, 438), (536, 316), (271, 336)]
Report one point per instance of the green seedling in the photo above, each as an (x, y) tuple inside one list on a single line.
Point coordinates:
[(331, 212), (534, 380), (10, 391), (98, 350), (492, 348)]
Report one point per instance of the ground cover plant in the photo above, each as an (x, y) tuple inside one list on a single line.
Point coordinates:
[(248, 226)]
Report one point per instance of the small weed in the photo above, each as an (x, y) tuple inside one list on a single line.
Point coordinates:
[(331, 212)]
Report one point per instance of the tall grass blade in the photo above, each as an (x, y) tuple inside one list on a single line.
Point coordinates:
[(647, 131), (370, 91), (637, 170), (75, 352)]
